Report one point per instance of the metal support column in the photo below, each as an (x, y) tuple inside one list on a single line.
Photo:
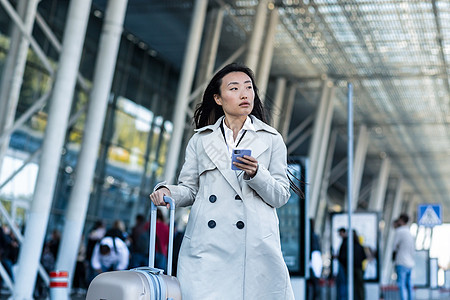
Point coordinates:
[(292, 136), (387, 255), (98, 102), (277, 110), (184, 88), (319, 144), (358, 167), (288, 110), (321, 212), (377, 200), (55, 132), (266, 59), (143, 190), (257, 36), (338, 171), (14, 69), (34, 45), (208, 55), (298, 141), (318, 127), (350, 242)]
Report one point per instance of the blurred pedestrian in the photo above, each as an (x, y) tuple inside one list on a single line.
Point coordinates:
[(95, 235), (9, 248), (80, 276), (110, 254), (359, 255), (118, 230), (404, 249), (54, 242), (315, 265), (50, 251), (139, 242), (341, 278)]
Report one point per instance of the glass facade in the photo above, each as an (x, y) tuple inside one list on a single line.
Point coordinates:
[(136, 132)]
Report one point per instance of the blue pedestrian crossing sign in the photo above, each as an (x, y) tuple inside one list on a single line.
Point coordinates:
[(429, 215)]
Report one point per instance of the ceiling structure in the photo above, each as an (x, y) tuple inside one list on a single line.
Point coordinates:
[(395, 53)]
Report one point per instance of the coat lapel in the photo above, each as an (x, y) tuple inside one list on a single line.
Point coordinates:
[(252, 141), (216, 149)]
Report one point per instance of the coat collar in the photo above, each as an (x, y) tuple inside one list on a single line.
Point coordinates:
[(257, 123), (216, 149)]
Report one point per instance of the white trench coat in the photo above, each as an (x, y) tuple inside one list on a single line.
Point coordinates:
[(231, 248)]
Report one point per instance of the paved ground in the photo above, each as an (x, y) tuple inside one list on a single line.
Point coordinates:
[(81, 295), (392, 294), (420, 294)]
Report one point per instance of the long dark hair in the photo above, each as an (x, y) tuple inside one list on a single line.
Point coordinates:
[(208, 111)]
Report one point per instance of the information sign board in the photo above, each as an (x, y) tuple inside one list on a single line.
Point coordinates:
[(429, 215)]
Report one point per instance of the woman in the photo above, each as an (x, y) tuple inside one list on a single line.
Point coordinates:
[(359, 255), (231, 248)]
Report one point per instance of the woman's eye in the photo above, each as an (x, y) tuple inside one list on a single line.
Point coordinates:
[(249, 87), (233, 89)]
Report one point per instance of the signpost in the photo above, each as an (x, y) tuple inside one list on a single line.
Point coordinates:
[(429, 215)]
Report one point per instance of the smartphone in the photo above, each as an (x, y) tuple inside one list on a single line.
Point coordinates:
[(239, 153)]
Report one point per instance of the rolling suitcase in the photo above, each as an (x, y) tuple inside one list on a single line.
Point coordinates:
[(144, 283)]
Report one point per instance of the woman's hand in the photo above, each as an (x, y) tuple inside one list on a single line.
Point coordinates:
[(249, 165), (157, 197)]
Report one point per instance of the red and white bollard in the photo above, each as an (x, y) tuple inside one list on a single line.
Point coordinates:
[(59, 283)]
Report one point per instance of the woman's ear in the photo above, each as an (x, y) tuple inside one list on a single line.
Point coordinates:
[(217, 99)]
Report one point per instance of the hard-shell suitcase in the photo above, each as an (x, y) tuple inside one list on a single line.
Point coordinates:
[(144, 283)]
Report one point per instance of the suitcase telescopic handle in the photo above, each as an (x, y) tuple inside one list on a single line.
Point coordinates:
[(152, 249)]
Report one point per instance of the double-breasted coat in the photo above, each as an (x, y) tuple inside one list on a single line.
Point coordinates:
[(231, 247)]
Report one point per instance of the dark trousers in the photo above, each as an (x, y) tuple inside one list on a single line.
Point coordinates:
[(342, 284), (312, 288), (358, 281), (79, 277)]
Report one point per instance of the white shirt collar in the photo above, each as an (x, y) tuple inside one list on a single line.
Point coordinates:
[(231, 143), (248, 124)]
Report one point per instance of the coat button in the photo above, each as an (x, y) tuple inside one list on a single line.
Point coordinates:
[(211, 224), (212, 198), (237, 197), (240, 224)]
